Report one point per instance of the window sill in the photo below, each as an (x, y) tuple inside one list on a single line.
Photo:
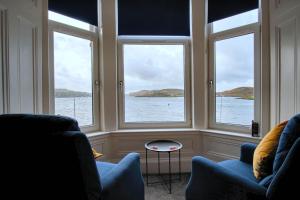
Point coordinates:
[(212, 132), (229, 133), (169, 130), (98, 133)]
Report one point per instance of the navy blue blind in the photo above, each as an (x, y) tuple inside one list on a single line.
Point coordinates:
[(154, 17), (220, 9), (84, 10)]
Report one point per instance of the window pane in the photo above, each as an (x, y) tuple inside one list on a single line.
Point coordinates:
[(73, 78), (68, 20), (236, 21), (154, 83), (234, 64)]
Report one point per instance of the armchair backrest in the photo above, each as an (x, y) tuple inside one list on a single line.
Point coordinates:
[(286, 167), (285, 182), (37, 123), (49, 156)]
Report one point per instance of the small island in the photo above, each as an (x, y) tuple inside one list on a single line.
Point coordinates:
[(240, 93), (158, 93), (65, 93), (246, 93)]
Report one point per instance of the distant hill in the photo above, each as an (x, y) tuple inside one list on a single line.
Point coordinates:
[(158, 93), (65, 93), (240, 92)]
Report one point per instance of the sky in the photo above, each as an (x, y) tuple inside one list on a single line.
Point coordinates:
[(148, 67)]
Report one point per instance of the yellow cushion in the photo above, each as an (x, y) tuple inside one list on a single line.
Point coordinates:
[(96, 154), (265, 152)]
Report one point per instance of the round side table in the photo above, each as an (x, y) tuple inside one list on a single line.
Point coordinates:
[(164, 146)]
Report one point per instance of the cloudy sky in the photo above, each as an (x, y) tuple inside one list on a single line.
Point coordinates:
[(149, 67), (72, 61), (154, 66)]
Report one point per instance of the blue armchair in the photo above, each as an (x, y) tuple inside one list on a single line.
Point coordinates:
[(234, 179), (51, 159)]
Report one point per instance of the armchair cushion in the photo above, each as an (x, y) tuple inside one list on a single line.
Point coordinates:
[(288, 137), (210, 180), (265, 152), (239, 167)]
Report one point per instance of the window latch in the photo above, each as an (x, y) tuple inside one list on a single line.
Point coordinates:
[(210, 83), (121, 85)]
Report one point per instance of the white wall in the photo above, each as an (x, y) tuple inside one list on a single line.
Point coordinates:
[(285, 59), (3, 29), (21, 56)]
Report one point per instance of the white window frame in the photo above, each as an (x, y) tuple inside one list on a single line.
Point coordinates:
[(91, 35), (153, 40), (253, 28)]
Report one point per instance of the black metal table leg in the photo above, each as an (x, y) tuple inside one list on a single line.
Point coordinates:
[(179, 165), (147, 167), (170, 174), (158, 159)]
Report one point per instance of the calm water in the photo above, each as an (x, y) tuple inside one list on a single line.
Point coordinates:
[(231, 110), (80, 108), (153, 109)]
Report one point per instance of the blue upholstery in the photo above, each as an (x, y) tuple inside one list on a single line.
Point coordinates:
[(124, 181), (211, 181), (239, 167), (104, 168), (285, 182), (288, 137), (234, 179), (247, 152), (50, 158)]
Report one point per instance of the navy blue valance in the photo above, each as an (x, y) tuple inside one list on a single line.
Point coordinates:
[(220, 9), (154, 17), (84, 10)]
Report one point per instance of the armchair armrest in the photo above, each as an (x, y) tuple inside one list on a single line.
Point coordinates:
[(212, 181), (247, 151), (125, 180)]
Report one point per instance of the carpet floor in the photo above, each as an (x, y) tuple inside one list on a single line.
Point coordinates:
[(160, 191)]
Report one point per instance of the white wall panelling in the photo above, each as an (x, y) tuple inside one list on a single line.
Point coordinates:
[(219, 147), (101, 143), (213, 145), (3, 60), (285, 59), (26, 70), (124, 142), (21, 48)]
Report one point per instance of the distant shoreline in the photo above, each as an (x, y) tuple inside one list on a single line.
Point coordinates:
[(65, 93), (158, 93), (239, 93), (246, 93)]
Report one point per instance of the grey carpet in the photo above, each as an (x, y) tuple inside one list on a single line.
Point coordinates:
[(161, 192)]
